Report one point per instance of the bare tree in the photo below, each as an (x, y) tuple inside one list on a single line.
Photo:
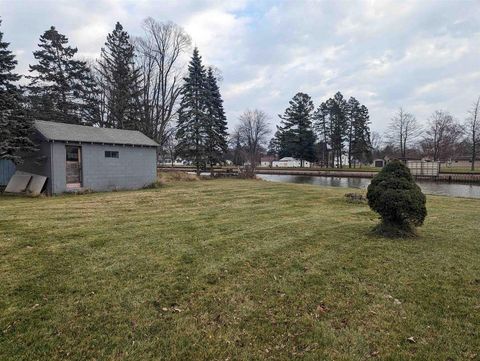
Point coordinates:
[(376, 139), (403, 131), (237, 147), (441, 135), (472, 127), (253, 130), (169, 149), (161, 58)]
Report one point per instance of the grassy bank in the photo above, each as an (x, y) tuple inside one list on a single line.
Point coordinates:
[(458, 170), (237, 270)]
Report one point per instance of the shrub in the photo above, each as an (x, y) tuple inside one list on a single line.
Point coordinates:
[(394, 195)]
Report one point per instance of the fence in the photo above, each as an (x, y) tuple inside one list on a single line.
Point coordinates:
[(7, 168), (423, 169)]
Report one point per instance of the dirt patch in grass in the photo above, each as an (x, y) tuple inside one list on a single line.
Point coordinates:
[(169, 177)]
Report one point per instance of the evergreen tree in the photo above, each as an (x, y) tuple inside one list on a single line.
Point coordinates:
[(361, 149), (61, 88), (274, 145), (341, 123), (15, 124), (296, 136), (120, 82), (216, 122), (334, 115), (322, 127), (353, 110), (192, 114)]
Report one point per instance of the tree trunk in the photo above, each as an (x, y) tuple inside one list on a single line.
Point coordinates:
[(474, 152)]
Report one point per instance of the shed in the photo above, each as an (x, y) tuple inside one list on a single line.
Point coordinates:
[(78, 157), (379, 163)]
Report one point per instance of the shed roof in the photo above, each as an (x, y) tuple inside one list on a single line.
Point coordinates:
[(63, 132)]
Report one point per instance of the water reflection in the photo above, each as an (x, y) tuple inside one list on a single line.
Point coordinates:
[(428, 187)]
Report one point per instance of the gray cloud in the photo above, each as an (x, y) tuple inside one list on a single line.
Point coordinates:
[(422, 55)]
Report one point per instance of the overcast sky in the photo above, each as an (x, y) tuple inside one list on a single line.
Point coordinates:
[(422, 55)]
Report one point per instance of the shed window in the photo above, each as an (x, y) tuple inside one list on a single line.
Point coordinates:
[(111, 154), (72, 154)]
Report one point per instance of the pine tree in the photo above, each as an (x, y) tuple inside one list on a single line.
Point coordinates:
[(216, 122), (361, 146), (332, 122), (61, 88), (120, 81), (322, 127), (192, 114), (353, 110), (274, 145), (338, 126), (15, 124), (296, 136)]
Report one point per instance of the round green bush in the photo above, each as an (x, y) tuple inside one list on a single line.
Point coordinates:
[(394, 195)]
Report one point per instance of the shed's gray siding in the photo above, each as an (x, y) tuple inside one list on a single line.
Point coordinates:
[(134, 168), (38, 162)]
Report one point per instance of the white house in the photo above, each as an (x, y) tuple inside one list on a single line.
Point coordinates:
[(289, 162), (177, 162)]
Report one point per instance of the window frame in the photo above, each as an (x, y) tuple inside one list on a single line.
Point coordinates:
[(115, 154)]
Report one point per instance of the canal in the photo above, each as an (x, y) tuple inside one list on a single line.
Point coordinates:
[(428, 187)]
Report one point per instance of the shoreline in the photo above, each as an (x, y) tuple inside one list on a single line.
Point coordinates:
[(442, 177)]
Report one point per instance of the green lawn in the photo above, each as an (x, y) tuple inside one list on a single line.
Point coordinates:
[(458, 170), (234, 270)]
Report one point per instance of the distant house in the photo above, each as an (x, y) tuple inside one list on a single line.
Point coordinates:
[(461, 162), (267, 161), (290, 162), (379, 163), (176, 162), (76, 157)]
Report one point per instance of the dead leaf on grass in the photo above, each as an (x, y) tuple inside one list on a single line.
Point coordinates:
[(321, 309)]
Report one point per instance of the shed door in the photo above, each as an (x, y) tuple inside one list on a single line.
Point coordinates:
[(74, 166)]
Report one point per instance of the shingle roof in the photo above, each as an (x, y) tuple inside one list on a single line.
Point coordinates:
[(80, 133)]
